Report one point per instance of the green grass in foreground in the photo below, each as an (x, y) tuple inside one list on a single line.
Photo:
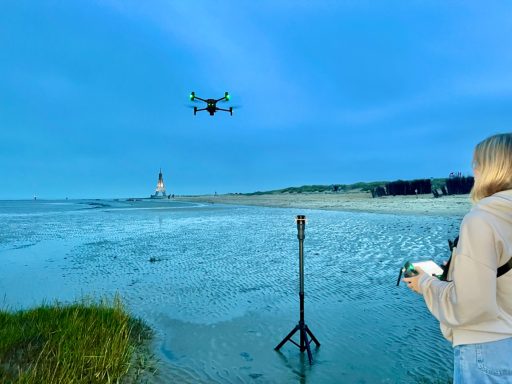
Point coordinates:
[(85, 342)]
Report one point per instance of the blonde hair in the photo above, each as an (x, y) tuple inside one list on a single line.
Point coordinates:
[(493, 160)]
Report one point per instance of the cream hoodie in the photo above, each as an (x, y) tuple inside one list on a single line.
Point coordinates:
[(475, 306)]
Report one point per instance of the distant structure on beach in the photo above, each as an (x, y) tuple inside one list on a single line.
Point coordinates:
[(160, 188), (455, 184)]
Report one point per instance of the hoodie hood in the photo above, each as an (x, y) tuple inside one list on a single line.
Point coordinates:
[(499, 204)]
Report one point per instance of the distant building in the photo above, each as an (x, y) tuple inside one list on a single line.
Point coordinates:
[(160, 188)]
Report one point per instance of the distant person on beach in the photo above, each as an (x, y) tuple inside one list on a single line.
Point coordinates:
[(474, 305)]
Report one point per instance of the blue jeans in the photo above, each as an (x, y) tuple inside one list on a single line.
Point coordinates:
[(485, 363)]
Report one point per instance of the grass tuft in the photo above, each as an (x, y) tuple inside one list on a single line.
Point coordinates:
[(85, 342)]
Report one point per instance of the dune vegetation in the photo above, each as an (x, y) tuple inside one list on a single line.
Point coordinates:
[(360, 186), (85, 342)]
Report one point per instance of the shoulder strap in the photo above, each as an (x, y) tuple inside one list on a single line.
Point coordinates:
[(446, 267), (500, 272), (504, 268)]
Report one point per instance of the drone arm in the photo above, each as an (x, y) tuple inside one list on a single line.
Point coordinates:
[(198, 98)]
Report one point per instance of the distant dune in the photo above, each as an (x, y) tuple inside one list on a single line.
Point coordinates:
[(355, 200)]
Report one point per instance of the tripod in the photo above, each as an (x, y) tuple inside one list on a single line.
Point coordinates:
[(303, 329)]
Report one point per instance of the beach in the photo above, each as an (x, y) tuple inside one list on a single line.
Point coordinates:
[(216, 278), (452, 205)]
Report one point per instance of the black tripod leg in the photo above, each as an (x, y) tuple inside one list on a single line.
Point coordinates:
[(312, 336), (307, 347), (288, 337)]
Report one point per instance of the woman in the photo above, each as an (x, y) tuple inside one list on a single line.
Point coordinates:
[(474, 307)]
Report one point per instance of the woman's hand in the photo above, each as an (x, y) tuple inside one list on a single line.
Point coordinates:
[(413, 282)]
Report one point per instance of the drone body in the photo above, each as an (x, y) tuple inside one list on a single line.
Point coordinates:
[(211, 104)]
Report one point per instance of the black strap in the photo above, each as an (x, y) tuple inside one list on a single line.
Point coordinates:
[(500, 271), (446, 267), (504, 268)]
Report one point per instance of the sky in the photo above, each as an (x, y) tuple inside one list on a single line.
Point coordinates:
[(94, 95)]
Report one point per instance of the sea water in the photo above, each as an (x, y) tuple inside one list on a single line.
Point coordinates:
[(219, 285)]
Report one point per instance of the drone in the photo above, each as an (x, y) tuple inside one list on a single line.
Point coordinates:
[(211, 104)]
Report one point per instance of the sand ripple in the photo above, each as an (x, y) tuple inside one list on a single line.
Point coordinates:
[(212, 271)]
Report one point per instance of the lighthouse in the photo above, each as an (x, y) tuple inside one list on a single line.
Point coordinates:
[(160, 187)]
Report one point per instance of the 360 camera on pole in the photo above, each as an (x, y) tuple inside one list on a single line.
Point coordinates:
[(304, 331)]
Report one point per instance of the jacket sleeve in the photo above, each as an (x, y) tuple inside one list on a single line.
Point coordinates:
[(470, 297)]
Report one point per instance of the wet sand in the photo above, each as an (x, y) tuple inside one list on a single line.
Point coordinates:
[(218, 283), (455, 205)]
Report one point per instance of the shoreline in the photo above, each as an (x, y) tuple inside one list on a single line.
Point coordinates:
[(453, 205)]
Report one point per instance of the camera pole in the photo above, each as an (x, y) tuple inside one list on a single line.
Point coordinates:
[(304, 331)]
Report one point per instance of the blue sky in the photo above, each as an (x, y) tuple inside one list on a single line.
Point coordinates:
[(94, 94)]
